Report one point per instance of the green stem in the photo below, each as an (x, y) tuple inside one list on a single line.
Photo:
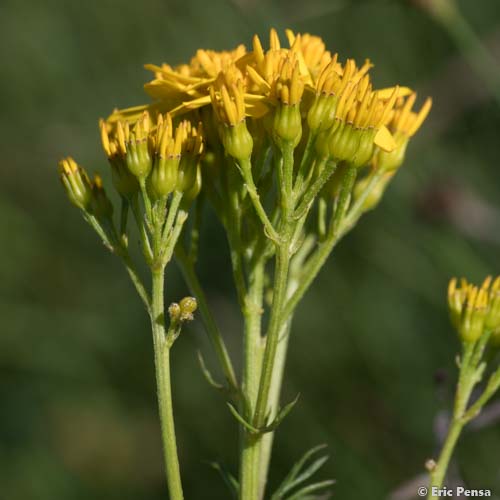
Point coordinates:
[(250, 451), (253, 344), (246, 170), (437, 476), (164, 390), (272, 338), (267, 439), (466, 382), (188, 271)]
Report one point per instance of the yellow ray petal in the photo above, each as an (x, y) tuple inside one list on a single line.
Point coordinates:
[(387, 93), (384, 140)]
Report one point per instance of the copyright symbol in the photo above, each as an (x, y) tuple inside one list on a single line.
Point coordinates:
[(422, 491)]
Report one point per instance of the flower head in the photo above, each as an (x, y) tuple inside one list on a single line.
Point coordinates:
[(468, 305), (76, 182)]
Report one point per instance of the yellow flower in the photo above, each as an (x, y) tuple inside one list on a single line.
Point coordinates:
[(228, 102)]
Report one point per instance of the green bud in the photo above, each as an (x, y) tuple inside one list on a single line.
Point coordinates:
[(188, 306), (344, 143), (138, 158), (76, 182), (174, 312), (287, 124), (366, 147), (163, 178), (188, 168), (237, 140), (321, 114)]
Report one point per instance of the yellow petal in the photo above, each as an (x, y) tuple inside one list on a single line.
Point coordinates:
[(384, 140), (387, 93)]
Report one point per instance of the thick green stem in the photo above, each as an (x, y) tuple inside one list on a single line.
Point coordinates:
[(272, 339), (164, 390), (266, 444), (250, 451)]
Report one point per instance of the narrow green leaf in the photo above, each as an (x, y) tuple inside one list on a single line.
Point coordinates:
[(242, 421), (311, 488), (206, 373), (304, 476), (295, 470), (282, 413)]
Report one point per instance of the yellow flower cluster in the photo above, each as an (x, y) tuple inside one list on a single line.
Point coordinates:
[(239, 103), (287, 88), (475, 309)]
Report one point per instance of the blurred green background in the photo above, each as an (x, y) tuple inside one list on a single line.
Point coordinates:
[(77, 403)]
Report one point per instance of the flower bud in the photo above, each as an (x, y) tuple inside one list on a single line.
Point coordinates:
[(163, 178), (188, 168), (343, 143), (321, 114), (123, 180), (188, 306), (76, 182), (237, 140), (468, 306), (174, 312), (366, 147), (138, 157), (287, 124)]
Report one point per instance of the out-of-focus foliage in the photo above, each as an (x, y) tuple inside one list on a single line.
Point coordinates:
[(78, 416)]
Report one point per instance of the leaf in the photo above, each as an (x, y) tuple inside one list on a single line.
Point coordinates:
[(242, 421), (311, 488), (309, 472), (208, 376), (231, 482), (298, 475), (282, 413)]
